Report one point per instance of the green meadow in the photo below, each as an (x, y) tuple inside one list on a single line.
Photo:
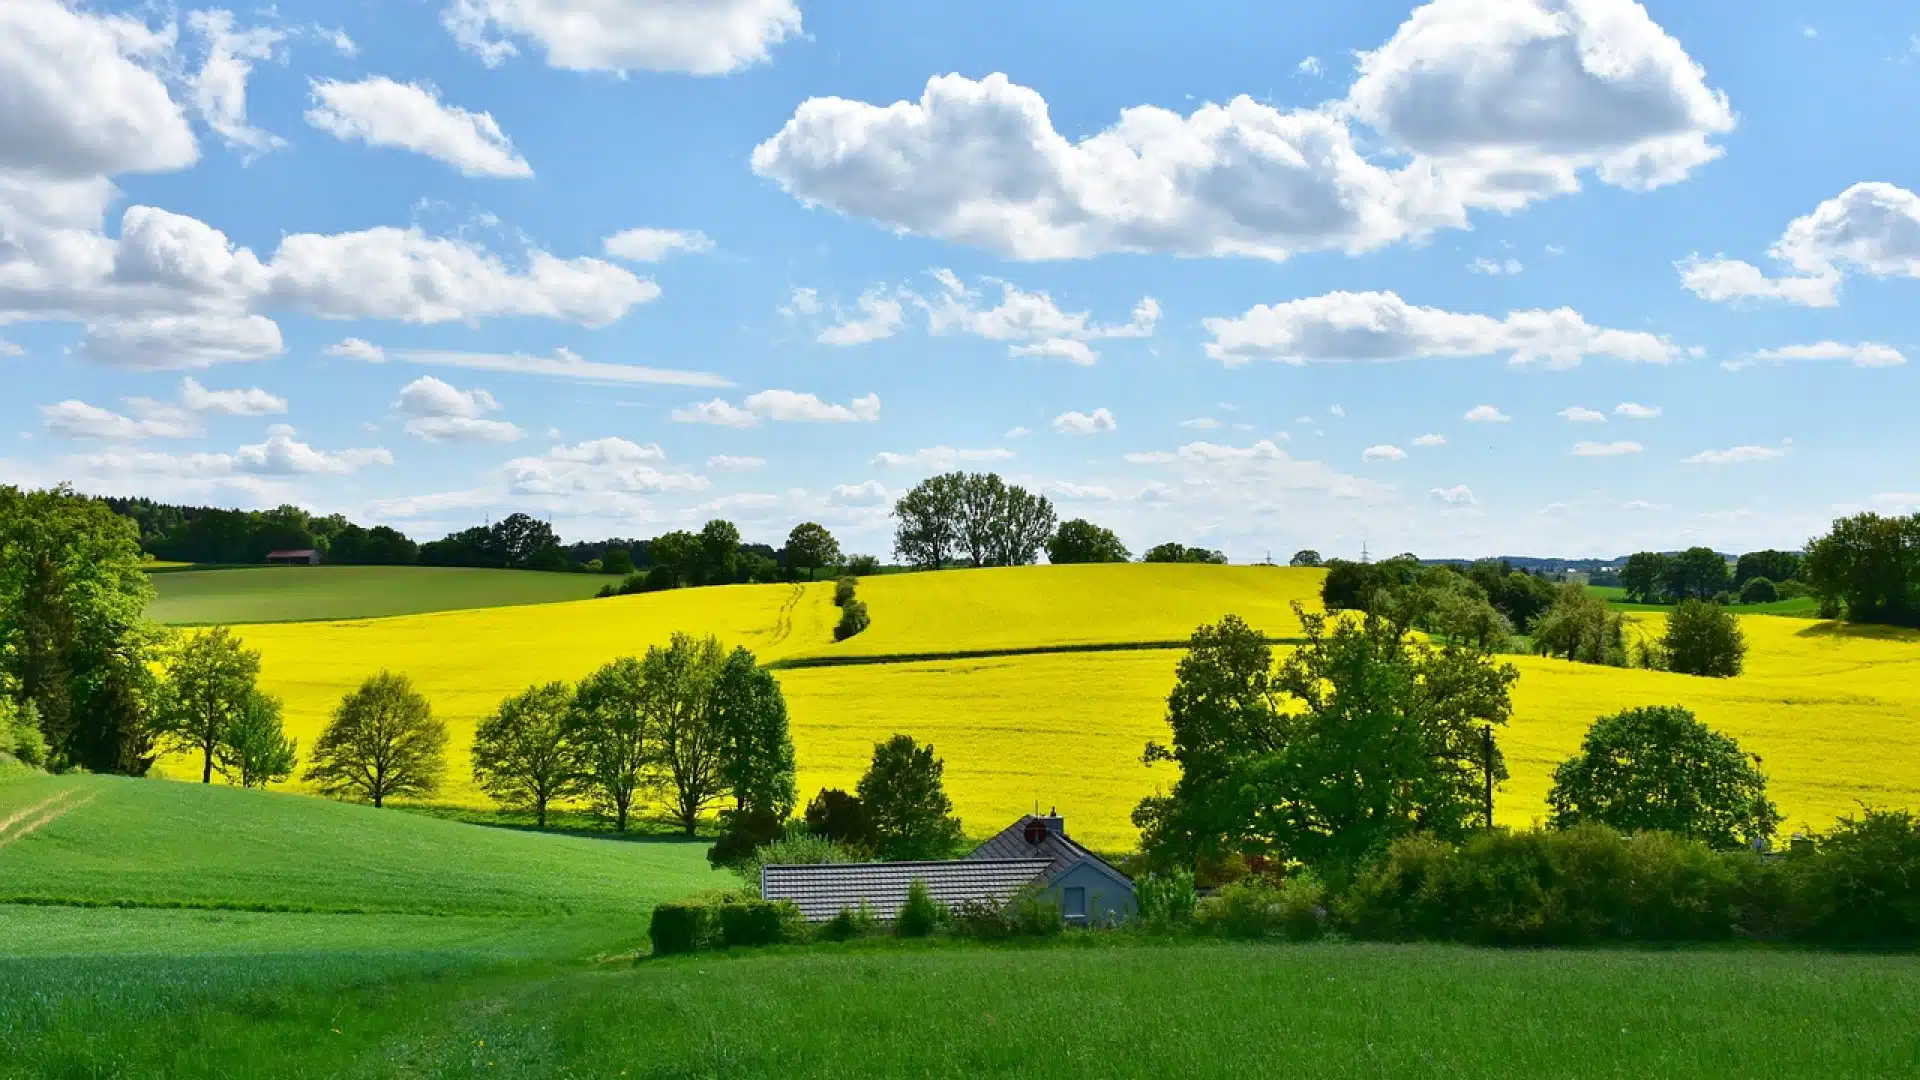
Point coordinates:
[(258, 594)]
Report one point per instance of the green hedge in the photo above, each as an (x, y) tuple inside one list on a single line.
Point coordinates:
[(724, 923), (678, 928)]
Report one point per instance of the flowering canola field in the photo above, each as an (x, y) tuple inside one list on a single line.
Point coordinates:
[(1834, 712)]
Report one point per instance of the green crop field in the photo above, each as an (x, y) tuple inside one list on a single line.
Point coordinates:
[(1805, 607), (266, 594)]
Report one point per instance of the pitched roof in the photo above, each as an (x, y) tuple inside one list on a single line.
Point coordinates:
[(300, 553), (1055, 846), (824, 890)]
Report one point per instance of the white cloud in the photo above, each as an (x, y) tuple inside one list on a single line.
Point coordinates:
[(164, 342), (656, 245), (866, 493), (1239, 473), (1736, 455), (1608, 449), (252, 401), (733, 463), (1380, 326), (73, 419), (1031, 322), (1337, 410), (1723, 280), (1864, 354), (781, 406), (1017, 433), (1633, 410), (1485, 414), (608, 451), (1079, 423), (563, 364), (1581, 415), (283, 455), (880, 317), (1485, 265), (804, 302), (1457, 495), (355, 348), (219, 88), (1202, 423), (940, 457), (8, 348), (463, 429), (601, 467), (1073, 352), (1383, 452), (709, 37), (82, 95), (440, 412), (1643, 506), (1430, 440), (1310, 66), (410, 116)]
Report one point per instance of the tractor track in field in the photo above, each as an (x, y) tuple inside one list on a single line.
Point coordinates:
[(783, 621), (992, 654), (23, 823)]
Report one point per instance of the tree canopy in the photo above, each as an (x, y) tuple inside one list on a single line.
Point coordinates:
[(382, 742), (1180, 553), (810, 546), (1867, 569), (609, 728), (255, 750), (976, 517), (210, 683), (1081, 541), (1660, 768), (1704, 639), (522, 754), (905, 798)]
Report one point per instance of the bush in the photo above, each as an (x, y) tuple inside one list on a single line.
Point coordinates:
[(794, 849), (1398, 897), (981, 920), (747, 923), (862, 566), (1302, 908), (843, 591), (1659, 768), (747, 831), (920, 915), (1862, 885), (1705, 639), (853, 619), (841, 817), (1248, 909), (20, 733), (1759, 591), (1033, 912), (1165, 901), (678, 928), (849, 923), (1681, 890)]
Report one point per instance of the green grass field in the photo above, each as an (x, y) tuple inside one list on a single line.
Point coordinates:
[(1804, 607), (266, 594)]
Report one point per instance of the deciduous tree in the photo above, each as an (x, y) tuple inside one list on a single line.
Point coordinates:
[(1081, 541), (719, 552), (756, 749), (1704, 639), (811, 546), (1645, 576), (1026, 522), (927, 521), (209, 684), (1661, 768), (1580, 627), (256, 751), (1867, 568), (1775, 566), (678, 682), (523, 755), (906, 799), (1305, 557), (608, 729), (382, 742)]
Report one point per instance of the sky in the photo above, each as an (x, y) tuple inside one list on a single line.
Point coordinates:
[(1540, 277)]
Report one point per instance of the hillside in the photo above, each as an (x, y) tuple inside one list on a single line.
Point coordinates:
[(266, 594)]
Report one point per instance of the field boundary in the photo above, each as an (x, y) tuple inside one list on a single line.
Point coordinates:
[(797, 662), (267, 908)]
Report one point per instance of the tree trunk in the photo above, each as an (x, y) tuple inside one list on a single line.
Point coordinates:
[(540, 812), (206, 768), (620, 819)]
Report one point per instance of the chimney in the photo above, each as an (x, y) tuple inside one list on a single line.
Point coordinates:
[(1054, 823)]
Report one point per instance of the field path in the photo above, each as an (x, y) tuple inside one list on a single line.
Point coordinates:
[(783, 620), (50, 809)]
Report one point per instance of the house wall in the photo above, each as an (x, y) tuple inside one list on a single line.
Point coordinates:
[(1106, 896)]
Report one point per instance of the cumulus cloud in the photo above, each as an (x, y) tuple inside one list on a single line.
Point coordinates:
[(410, 116), (1723, 280), (163, 342), (1581, 415), (735, 463), (1492, 268), (73, 419), (1485, 414), (1079, 423), (1202, 423), (1606, 449), (1633, 410), (1380, 326), (1871, 228), (251, 401), (1261, 467), (219, 88), (1457, 495), (940, 457), (1018, 433), (1433, 439), (880, 315), (441, 412), (1383, 452), (866, 493), (656, 245), (1490, 105), (780, 406), (355, 348), (1073, 352), (1736, 455), (283, 455), (712, 37), (1031, 322), (802, 302), (1865, 354), (601, 467)]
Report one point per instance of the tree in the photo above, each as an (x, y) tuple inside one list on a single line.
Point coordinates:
[(208, 687), (842, 818), (1580, 627), (983, 507), (74, 638), (608, 729), (522, 753), (811, 546), (1026, 522), (678, 686), (1704, 639), (1645, 576), (1081, 541), (1759, 590), (382, 742), (1775, 566), (617, 560), (1180, 553), (255, 751), (926, 528), (1360, 736), (906, 799), (756, 749), (1660, 768), (518, 539), (1699, 573), (1867, 568), (676, 557), (20, 731), (1305, 557), (719, 551)]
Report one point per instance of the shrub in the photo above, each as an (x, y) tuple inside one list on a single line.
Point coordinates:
[(1397, 897), (747, 831), (849, 923), (794, 849), (862, 566), (747, 923), (20, 733), (841, 817), (1862, 885), (1302, 907), (981, 920), (1249, 909), (1659, 768), (1033, 912), (843, 591), (1165, 900), (678, 927), (1705, 639), (1759, 591), (1680, 889), (920, 915), (853, 619)]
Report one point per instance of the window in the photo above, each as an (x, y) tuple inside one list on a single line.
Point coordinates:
[(1076, 903)]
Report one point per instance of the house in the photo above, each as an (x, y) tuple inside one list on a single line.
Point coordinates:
[(1033, 852), (302, 557)]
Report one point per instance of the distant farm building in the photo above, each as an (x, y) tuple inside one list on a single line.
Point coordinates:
[(1032, 853), (302, 557)]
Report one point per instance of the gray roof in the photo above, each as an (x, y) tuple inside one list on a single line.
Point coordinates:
[(824, 890), (1055, 846)]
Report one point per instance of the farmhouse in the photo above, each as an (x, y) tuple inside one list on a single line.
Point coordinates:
[(302, 557), (1032, 852)]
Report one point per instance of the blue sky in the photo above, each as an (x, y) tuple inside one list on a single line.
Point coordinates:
[(1565, 277)]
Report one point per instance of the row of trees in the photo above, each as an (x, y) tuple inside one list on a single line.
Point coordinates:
[(1867, 569), (975, 518), (1701, 573), (204, 534)]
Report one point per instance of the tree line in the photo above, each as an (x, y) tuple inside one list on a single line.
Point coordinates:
[(978, 519), (1701, 573), (205, 534)]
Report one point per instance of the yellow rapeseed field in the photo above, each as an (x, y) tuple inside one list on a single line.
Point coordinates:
[(1834, 712)]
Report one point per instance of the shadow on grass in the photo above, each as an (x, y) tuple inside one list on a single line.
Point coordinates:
[(565, 823), (1860, 631)]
